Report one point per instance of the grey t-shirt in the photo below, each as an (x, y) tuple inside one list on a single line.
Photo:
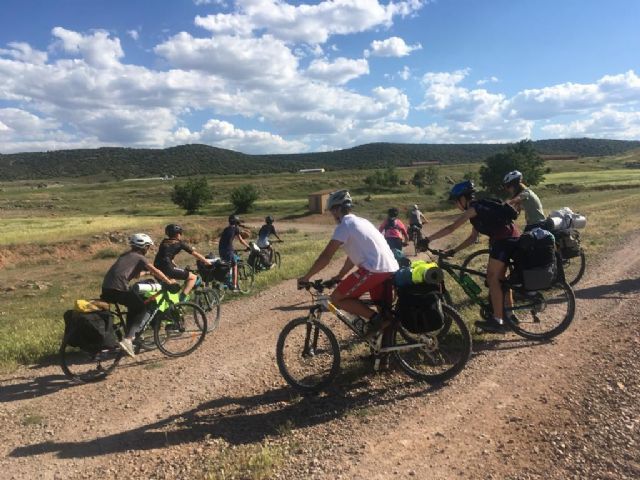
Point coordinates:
[(532, 207), (128, 266)]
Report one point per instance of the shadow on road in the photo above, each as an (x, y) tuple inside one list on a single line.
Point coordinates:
[(33, 387), (614, 290)]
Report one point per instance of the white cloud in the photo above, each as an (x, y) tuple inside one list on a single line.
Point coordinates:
[(405, 73), (339, 72), (484, 81), (607, 123), (134, 34), (98, 50), (24, 53), (391, 47)]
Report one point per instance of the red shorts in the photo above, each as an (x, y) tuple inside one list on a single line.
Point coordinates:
[(362, 281)]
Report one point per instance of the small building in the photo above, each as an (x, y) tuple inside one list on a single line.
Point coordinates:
[(311, 170), (318, 201)]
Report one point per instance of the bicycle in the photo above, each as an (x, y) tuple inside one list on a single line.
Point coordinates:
[(206, 294), (308, 354), (178, 329), (415, 236), (524, 308), (573, 267), (257, 260)]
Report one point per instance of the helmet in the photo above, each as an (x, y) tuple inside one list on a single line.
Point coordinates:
[(172, 230), (415, 207), (393, 212), (461, 189), (268, 219), (140, 240), (512, 177), (341, 198), (234, 220)]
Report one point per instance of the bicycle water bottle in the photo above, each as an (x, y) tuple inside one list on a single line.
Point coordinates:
[(469, 284)]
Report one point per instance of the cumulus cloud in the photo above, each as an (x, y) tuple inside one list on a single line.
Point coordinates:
[(391, 47), (24, 53), (484, 81), (98, 49), (134, 34), (340, 71), (607, 123)]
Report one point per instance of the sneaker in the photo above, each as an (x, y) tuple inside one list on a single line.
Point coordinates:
[(127, 346), (492, 326), (512, 318)]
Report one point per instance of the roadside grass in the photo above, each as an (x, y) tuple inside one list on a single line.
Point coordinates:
[(256, 461)]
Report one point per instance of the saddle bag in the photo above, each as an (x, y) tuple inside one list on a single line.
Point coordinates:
[(420, 308), (535, 259), (569, 243)]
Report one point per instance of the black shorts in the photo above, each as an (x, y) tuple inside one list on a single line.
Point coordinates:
[(228, 256), (175, 273), (394, 243), (502, 250)]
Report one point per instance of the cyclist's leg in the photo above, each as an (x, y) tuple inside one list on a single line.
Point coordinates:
[(181, 274), (346, 295), (136, 309), (500, 252)]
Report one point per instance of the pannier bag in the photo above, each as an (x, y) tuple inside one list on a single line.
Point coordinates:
[(535, 259), (216, 271), (565, 219), (569, 243), (90, 332), (420, 308)]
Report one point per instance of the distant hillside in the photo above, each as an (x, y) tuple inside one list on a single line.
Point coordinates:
[(203, 159)]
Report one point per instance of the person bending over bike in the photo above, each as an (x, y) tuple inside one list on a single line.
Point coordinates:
[(523, 198), (395, 233), (115, 286), (367, 250), (225, 246), (167, 250), (263, 236), (503, 238)]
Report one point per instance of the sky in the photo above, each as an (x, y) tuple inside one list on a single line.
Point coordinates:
[(271, 76)]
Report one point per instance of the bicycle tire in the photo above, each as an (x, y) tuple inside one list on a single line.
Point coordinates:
[(208, 299), (289, 350), (532, 304), (246, 277), (414, 239), (473, 259), (276, 259), (181, 329), (83, 367), (569, 275), (444, 356)]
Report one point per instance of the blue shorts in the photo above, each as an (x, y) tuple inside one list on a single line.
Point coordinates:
[(228, 256), (502, 250)]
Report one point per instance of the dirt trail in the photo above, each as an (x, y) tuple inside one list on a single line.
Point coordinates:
[(519, 410)]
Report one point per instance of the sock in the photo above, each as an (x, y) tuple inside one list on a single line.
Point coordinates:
[(497, 320)]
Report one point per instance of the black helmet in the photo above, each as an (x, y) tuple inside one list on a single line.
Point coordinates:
[(268, 219), (393, 213), (172, 230), (462, 189), (234, 220)]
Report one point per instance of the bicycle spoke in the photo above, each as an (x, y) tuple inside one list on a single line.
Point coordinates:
[(181, 330)]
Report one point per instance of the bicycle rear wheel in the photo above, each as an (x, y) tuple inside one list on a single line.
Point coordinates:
[(181, 329), (207, 298), (544, 314), (437, 356), (246, 276), (276, 259), (84, 367), (308, 355), (574, 268)]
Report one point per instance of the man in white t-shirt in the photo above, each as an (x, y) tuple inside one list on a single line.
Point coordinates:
[(367, 250)]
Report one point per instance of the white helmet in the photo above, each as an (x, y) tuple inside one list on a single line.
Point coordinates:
[(140, 240), (415, 207), (340, 198), (512, 176)]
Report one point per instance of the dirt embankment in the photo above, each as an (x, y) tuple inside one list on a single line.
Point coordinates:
[(520, 410)]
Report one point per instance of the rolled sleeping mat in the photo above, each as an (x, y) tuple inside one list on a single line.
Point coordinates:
[(433, 276), (147, 287), (578, 221)]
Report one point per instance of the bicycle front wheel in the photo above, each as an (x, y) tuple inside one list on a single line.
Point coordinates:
[(208, 300), (434, 357), (543, 314), (574, 268), (84, 367), (308, 355), (181, 329), (246, 276)]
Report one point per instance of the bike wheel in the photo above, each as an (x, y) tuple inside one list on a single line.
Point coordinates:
[(544, 314), (84, 367), (414, 239), (276, 259), (180, 329), (308, 355), (435, 356), (246, 276), (574, 268), (208, 300), (477, 261)]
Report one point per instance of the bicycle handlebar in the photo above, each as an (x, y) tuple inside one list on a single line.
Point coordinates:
[(318, 285)]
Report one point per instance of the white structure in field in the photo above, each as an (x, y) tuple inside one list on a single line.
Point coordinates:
[(311, 170)]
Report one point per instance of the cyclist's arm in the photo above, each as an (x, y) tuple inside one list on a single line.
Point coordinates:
[(242, 241), (346, 268), (323, 259), (424, 220), (516, 202), (461, 220), (199, 256), (159, 275)]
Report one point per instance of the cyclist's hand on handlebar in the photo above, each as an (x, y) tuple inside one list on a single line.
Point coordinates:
[(303, 283), (450, 252)]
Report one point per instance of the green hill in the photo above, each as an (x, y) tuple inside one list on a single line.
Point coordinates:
[(203, 159)]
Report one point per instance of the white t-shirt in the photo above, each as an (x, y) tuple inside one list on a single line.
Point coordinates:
[(365, 245)]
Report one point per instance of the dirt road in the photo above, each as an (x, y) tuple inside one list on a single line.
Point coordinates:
[(520, 410)]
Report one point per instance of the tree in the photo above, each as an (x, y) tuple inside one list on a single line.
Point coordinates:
[(192, 195), (243, 197), (419, 177), (387, 178), (520, 156)]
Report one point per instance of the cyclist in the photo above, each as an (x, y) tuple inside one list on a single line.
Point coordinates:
[(367, 250), (416, 219), (523, 198), (115, 286), (225, 246), (167, 250), (263, 236), (503, 238), (395, 233)]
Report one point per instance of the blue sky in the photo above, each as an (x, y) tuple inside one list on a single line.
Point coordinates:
[(267, 76)]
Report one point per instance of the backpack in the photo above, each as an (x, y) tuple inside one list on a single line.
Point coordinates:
[(420, 308), (491, 214), (390, 225), (569, 243), (90, 332), (217, 271), (535, 259)]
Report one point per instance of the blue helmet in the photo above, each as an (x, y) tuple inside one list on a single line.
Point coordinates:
[(462, 189)]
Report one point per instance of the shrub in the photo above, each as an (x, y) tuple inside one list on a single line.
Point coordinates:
[(192, 195), (520, 156), (243, 197)]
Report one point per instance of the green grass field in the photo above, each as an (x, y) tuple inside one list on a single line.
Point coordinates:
[(55, 235)]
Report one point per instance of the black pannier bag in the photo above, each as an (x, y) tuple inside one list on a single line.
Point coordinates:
[(535, 260), (217, 271), (569, 243), (90, 332), (420, 308)]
